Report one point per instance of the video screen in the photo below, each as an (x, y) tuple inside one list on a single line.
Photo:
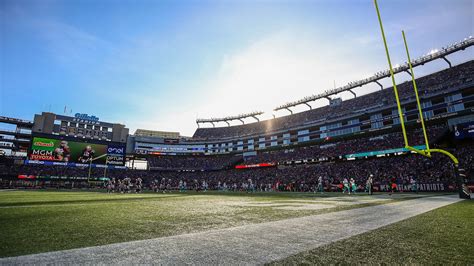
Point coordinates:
[(63, 150)]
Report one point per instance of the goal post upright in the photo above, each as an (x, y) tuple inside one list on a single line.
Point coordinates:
[(397, 98), (415, 88), (428, 150), (400, 114)]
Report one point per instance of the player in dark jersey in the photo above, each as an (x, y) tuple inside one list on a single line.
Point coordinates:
[(138, 185), (87, 154), (393, 185), (110, 188), (63, 152)]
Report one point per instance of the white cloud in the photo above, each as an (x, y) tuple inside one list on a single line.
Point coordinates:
[(282, 67), (276, 69)]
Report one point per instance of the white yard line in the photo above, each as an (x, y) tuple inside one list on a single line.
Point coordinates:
[(249, 244)]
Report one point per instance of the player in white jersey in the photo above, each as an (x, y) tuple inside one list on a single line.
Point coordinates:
[(345, 187), (320, 184), (369, 184), (414, 186), (251, 187)]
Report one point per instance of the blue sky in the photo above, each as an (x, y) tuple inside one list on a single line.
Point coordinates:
[(161, 64)]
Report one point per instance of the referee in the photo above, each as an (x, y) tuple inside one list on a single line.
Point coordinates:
[(369, 184)]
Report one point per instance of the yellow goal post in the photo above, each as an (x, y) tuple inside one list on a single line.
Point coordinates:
[(463, 190)]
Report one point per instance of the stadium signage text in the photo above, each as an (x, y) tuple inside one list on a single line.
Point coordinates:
[(86, 117), (420, 187), (115, 150), (43, 144), (464, 130), (26, 176), (114, 159), (41, 155), (254, 165), (80, 165)]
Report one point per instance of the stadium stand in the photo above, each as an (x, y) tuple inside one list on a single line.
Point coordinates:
[(283, 178), (449, 78), (344, 147), (198, 162), (324, 157)]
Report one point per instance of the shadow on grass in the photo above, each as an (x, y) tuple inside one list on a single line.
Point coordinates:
[(84, 201)]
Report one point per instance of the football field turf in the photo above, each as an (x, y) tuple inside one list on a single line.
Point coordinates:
[(42, 221)]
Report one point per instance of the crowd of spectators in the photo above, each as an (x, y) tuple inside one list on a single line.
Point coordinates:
[(437, 169), (331, 148), (434, 83), (193, 162), (351, 146)]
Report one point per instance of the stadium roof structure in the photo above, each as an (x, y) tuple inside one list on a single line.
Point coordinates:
[(155, 133), (10, 120), (230, 118), (433, 55)]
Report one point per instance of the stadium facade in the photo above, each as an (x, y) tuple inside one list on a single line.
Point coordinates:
[(447, 98), (319, 141)]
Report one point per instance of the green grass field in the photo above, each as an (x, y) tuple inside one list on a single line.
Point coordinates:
[(41, 221), (444, 236)]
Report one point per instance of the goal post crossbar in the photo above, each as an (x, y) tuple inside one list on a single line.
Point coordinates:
[(90, 165)]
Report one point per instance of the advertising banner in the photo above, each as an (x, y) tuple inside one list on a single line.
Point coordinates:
[(374, 153), (423, 187), (81, 165), (465, 130), (53, 177), (62, 151), (246, 166)]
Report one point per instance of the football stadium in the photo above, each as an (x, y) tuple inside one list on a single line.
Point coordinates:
[(347, 175)]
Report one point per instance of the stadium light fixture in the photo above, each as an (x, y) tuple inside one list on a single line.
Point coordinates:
[(226, 119), (426, 58)]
